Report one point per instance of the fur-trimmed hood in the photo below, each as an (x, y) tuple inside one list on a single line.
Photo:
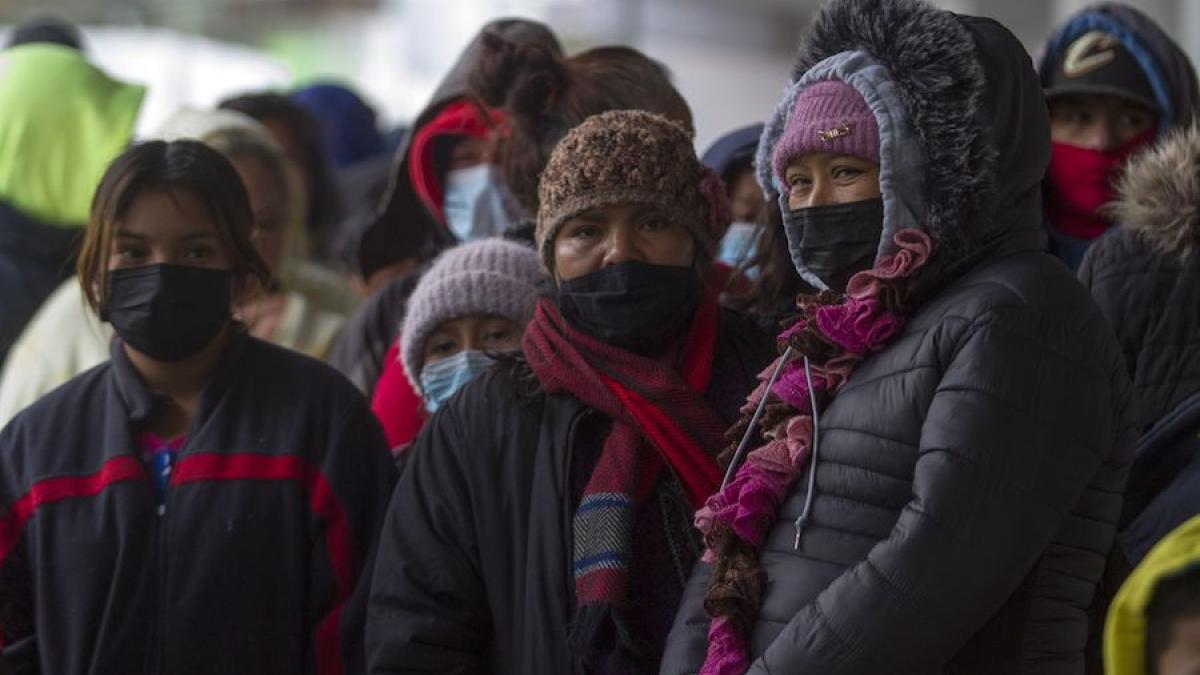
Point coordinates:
[(1158, 196), (1166, 66), (958, 99)]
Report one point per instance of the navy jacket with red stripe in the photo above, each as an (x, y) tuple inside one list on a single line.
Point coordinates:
[(253, 563)]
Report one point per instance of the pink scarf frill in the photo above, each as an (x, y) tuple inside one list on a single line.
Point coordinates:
[(859, 326)]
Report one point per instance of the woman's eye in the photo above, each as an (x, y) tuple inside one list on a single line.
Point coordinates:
[(585, 232), (1074, 116), (1135, 122), (655, 225), (199, 253), (846, 172), (131, 254), (798, 182), (442, 347), (497, 335)]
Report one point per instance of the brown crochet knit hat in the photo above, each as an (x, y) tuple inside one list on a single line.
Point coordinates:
[(630, 157)]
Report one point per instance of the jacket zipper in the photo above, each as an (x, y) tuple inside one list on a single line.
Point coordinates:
[(162, 565)]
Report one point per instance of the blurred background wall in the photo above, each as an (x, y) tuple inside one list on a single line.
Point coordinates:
[(730, 57)]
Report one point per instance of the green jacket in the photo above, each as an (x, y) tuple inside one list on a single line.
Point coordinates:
[(62, 121)]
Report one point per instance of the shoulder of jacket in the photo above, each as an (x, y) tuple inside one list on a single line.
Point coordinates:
[(293, 373), (1030, 290), (73, 410)]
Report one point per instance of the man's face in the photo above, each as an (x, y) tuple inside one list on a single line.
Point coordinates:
[(1098, 121)]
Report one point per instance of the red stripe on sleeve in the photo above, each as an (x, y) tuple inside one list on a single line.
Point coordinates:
[(51, 490)]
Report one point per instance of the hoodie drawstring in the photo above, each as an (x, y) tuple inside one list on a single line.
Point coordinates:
[(802, 521), (762, 404)]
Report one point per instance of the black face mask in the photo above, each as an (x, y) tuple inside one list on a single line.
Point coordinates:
[(168, 312), (837, 241), (633, 305)]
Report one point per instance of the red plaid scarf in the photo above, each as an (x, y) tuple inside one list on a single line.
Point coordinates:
[(658, 412)]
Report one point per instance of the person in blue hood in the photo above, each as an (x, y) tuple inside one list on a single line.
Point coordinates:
[(1114, 83), (348, 125)]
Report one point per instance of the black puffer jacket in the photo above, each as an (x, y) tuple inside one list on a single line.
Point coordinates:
[(969, 476), (1145, 275), (474, 573)]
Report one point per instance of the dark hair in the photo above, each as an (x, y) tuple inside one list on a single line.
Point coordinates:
[(546, 95), (771, 297), (160, 166), (1175, 597), (324, 196), (46, 30)]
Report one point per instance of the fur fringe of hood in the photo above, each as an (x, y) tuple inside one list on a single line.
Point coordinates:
[(933, 60), (1159, 193)]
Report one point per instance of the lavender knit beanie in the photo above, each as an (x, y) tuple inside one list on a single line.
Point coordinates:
[(488, 276), (630, 157), (827, 116)]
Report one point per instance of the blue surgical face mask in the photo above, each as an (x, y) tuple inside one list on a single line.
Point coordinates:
[(739, 244), (440, 379), (476, 204)]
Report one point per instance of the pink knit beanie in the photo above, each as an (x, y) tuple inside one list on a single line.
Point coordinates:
[(488, 276), (828, 116)]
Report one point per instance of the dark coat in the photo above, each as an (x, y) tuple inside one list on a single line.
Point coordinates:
[(363, 343), (968, 477), (1145, 276), (252, 563), (1164, 482), (34, 259), (475, 566)]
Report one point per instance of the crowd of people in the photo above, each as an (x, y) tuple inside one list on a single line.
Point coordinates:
[(903, 378)]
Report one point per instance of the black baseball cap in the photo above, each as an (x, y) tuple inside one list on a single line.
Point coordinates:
[(1097, 63)]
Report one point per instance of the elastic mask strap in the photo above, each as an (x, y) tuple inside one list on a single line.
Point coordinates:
[(802, 521)]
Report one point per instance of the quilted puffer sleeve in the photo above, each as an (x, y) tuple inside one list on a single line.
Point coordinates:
[(1016, 433)]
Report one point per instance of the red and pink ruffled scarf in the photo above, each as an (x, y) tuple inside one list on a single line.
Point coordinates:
[(835, 333)]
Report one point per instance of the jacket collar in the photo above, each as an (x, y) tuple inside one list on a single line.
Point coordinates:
[(141, 402)]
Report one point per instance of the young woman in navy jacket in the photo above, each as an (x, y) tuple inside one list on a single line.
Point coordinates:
[(204, 502)]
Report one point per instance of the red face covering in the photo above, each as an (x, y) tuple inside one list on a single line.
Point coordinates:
[(1079, 181)]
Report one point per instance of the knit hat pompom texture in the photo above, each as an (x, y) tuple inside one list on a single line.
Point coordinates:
[(827, 116), (630, 157), (489, 276)]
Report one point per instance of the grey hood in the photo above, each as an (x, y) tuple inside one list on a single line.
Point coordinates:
[(964, 131)]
